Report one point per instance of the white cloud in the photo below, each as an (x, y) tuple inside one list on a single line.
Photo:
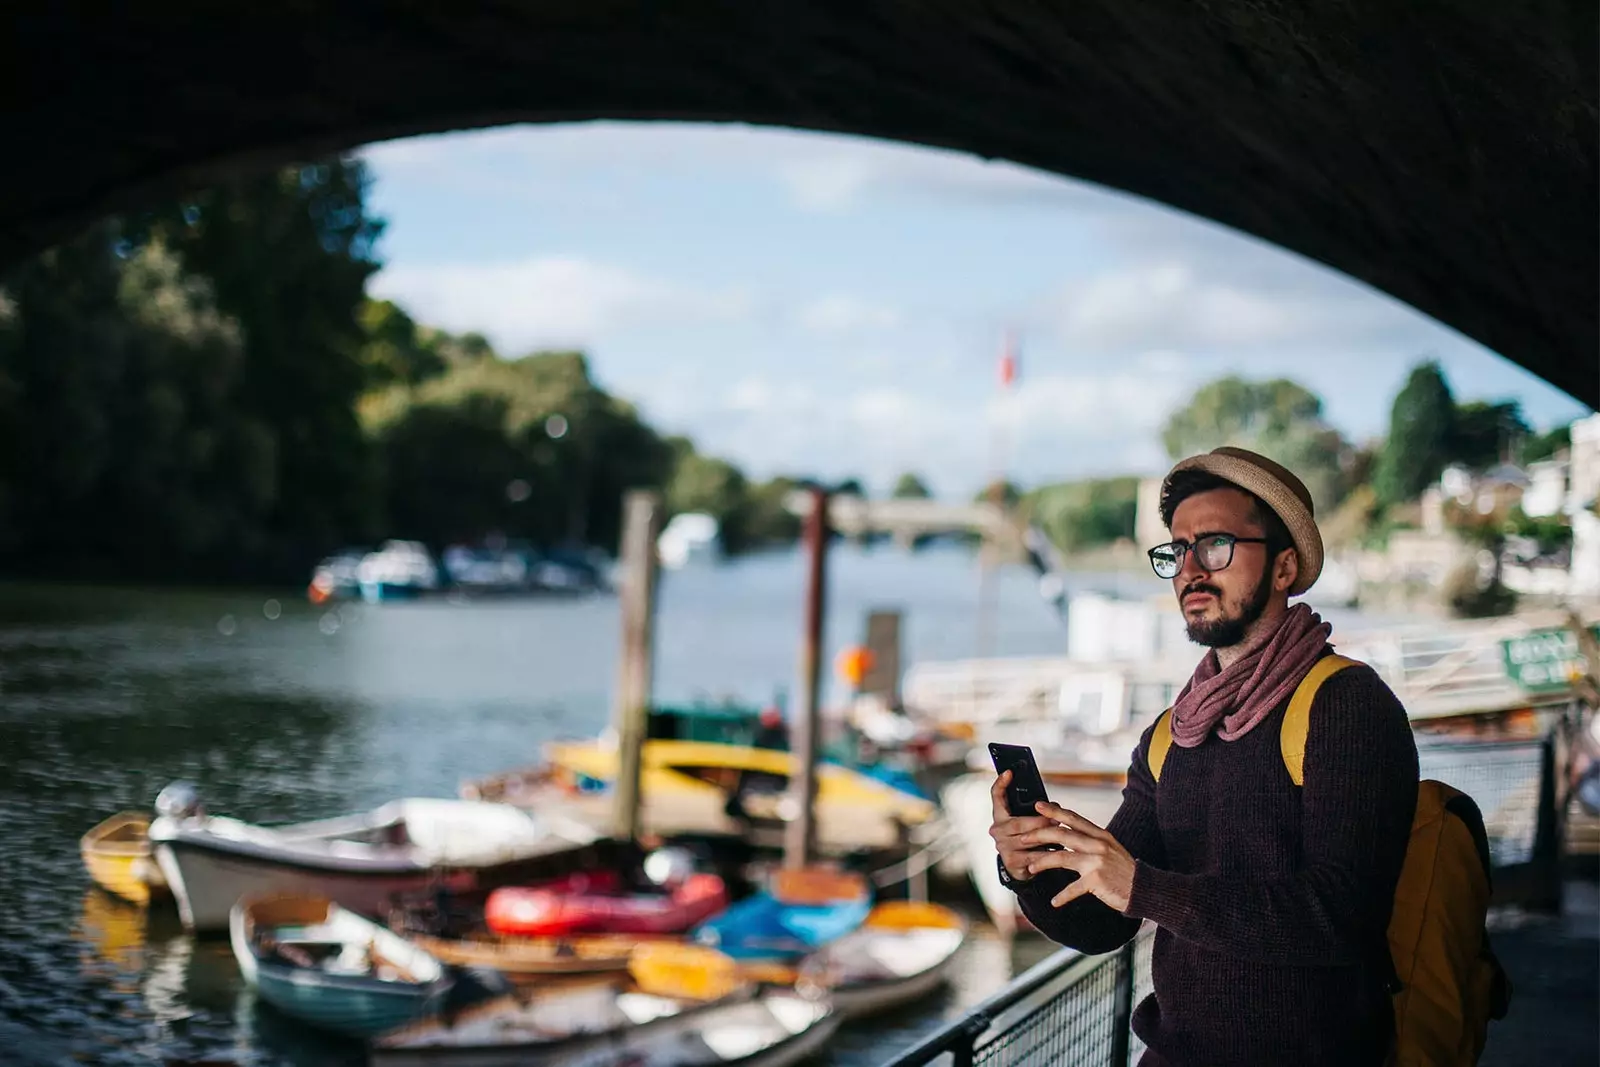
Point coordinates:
[(551, 300), (1178, 306), (845, 314)]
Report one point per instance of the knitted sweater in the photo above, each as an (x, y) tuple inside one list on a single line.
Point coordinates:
[(1271, 901)]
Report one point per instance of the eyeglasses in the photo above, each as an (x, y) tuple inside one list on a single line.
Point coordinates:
[(1213, 551)]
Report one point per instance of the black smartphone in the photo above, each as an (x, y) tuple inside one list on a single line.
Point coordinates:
[(1027, 786)]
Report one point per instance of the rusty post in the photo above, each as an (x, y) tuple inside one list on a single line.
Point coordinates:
[(800, 836), (641, 525)]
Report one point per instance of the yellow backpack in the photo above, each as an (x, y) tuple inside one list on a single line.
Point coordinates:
[(1446, 982)]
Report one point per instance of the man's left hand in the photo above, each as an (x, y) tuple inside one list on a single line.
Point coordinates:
[(1104, 867)]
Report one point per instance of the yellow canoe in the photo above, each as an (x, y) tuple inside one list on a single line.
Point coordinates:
[(118, 857)]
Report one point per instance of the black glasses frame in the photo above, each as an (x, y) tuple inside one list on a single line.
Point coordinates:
[(1181, 549)]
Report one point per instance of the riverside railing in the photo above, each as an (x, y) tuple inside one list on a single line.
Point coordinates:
[(1073, 1010)]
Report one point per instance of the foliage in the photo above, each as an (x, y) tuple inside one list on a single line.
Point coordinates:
[(1469, 597), (911, 487), (1485, 432), (1082, 515), (1279, 419), (1010, 493), (1421, 436), (1544, 445), (181, 384)]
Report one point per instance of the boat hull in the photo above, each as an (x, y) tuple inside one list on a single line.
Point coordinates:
[(353, 1005), (755, 1037), (206, 882), (118, 856), (868, 999)]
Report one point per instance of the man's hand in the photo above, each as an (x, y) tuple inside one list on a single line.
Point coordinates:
[(1009, 831), (1104, 867)]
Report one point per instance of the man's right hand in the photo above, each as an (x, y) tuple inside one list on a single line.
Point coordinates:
[(1008, 829)]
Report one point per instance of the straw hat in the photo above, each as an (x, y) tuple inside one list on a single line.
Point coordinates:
[(1279, 489)]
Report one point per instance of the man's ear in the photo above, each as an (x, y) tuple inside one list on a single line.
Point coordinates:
[(1286, 571)]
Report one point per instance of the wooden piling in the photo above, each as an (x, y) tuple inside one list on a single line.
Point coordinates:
[(641, 526), (800, 834)]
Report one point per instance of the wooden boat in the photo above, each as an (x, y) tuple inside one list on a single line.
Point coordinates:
[(802, 911), (332, 969), (705, 789), (358, 861), (617, 1025), (902, 952), (118, 856), (544, 911), (526, 958)]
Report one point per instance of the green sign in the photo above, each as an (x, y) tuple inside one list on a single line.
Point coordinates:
[(1543, 660)]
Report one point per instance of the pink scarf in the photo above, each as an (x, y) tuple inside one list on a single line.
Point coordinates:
[(1254, 684)]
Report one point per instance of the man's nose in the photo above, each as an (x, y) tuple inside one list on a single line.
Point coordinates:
[(1191, 568)]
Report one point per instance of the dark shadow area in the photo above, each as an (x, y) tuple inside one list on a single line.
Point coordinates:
[(1445, 155)]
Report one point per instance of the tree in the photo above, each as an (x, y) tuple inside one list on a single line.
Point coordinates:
[(1421, 436), (1279, 418), (1081, 515), (1010, 493), (850, 487), (1487, 433), (1547, 444), (910, 487)]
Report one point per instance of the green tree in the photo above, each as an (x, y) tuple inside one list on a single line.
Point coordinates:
[(910, 487), (394, 350), (1085, 514), (288, 253), (1010, 493), (1421, 436), (1486, 433), (1547, 444), (1279, 418)]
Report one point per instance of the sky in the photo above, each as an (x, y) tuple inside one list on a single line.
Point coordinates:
[(813, 304)]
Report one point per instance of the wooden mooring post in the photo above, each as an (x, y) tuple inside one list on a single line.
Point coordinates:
[(800, 835), (641, 525)]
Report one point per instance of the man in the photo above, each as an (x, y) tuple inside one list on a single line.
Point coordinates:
[(1270, 901)]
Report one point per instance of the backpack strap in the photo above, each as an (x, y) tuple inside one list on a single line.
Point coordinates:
[(1160, 744), (1297, 720)]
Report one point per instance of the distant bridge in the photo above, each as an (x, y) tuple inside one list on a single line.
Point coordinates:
[(907, 520)]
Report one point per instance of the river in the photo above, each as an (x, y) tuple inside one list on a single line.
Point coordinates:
[(282, 711)]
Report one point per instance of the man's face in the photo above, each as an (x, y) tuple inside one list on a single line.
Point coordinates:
[(1220, 606)]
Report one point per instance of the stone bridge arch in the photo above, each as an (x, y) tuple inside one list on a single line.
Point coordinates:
[(1445, 154)]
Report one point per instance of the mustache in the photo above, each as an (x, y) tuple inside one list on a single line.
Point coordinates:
[(1200, 587)]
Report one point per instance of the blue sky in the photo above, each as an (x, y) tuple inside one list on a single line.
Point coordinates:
[(816, 304)]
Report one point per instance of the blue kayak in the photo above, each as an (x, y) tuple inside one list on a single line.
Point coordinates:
[(762, 927)]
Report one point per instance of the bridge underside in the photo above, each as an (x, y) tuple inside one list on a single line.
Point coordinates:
[(1445, 154)]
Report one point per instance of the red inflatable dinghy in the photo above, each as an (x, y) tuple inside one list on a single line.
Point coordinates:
[(546, 911)]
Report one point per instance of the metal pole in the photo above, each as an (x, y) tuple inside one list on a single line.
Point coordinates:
[(1122, 1008), (799, 845), (641, 518)]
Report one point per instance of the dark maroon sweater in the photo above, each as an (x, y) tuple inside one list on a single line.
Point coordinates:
[(1270, 900)]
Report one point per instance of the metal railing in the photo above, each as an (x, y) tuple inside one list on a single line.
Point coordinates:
[(1073, 1010), (1070, 1010)]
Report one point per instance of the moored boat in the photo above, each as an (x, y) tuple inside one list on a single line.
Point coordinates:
[(553, 911), (901, 952), (118, 856), (706, 789), (617, 1025), (802, 911), (358, 861), (330, 968)]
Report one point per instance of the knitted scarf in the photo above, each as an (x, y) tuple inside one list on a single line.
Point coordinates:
[(1234, 700)]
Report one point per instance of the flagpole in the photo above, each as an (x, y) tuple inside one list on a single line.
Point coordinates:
[(989, 547)]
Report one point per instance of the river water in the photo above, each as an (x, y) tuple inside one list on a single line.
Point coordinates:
[(281, 711)]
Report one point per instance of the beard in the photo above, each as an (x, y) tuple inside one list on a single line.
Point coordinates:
[(1229, 630)]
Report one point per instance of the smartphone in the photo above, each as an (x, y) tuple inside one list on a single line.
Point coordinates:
[(1027, 786)]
